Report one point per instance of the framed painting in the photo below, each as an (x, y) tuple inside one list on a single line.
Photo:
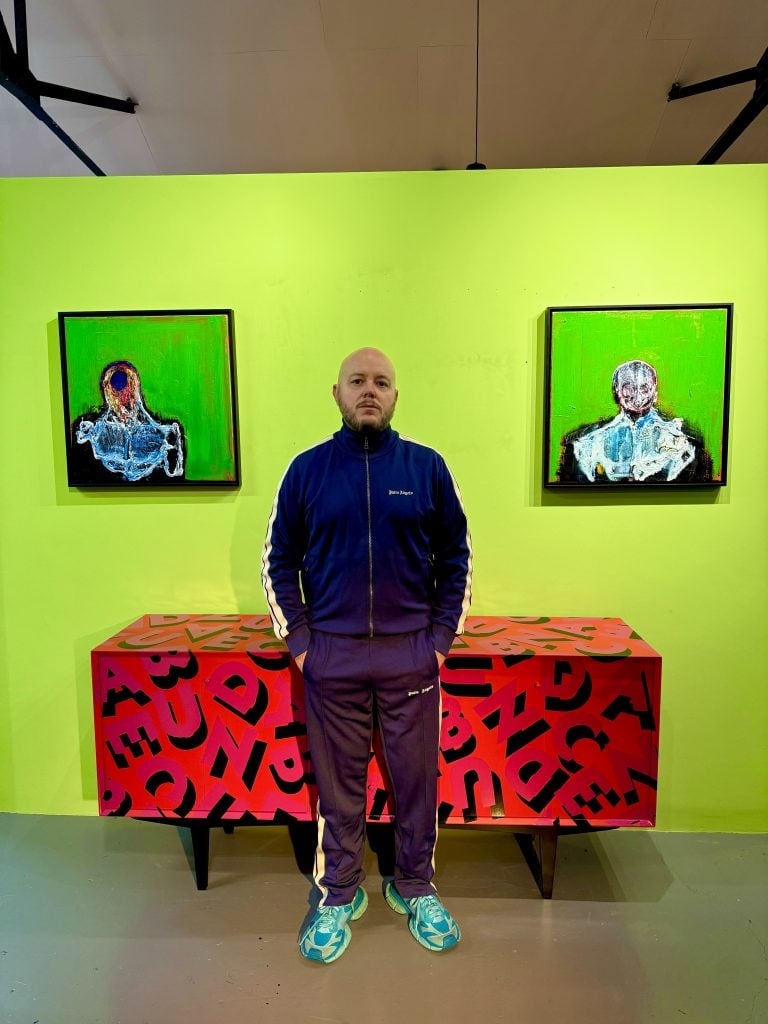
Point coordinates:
[(149, 398), (637, 396)]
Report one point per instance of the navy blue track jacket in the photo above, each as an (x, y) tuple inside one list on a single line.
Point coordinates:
[(367, 537)]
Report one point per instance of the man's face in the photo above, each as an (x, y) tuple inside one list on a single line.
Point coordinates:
[(636, 388), (366, 393)]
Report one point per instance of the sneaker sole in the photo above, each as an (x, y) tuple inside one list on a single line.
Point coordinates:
[(361, 909), (394, 899)]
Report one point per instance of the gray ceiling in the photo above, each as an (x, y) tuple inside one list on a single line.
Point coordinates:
[(230, 86)]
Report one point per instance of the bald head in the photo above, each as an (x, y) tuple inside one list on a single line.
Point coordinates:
[(365, 359), (365, 392)]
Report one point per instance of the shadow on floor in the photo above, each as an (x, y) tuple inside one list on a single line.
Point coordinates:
[(607, 866)]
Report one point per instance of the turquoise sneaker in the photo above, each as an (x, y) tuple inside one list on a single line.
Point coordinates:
[(428, 920), (328, 933)]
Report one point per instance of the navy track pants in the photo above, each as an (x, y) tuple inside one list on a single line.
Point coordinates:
[(343, 677)]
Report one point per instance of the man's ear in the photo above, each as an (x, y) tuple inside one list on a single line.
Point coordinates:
[(335, 390)]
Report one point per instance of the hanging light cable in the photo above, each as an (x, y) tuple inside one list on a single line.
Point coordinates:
[(477, 166)]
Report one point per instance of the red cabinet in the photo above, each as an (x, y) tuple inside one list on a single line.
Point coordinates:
[(546, 722)]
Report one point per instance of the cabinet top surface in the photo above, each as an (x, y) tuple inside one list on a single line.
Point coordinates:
[(484, 636)]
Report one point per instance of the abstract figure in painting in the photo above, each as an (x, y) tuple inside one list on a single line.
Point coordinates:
[(125, 437), (638, 444)]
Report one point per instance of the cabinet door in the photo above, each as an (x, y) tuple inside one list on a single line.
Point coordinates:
[(550, 740), (150, 728)]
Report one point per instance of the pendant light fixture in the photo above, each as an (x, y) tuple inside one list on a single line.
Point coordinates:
[(477, 166)]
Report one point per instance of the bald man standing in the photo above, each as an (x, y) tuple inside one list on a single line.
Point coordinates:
[(367, 570)]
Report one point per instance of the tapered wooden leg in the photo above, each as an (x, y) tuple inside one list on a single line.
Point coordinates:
[(546, 849), (201, 836), (539, 847)]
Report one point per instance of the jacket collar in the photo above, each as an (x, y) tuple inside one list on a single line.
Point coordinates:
[(358, 442)]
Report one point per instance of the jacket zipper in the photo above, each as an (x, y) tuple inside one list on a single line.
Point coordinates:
[(370, 541)]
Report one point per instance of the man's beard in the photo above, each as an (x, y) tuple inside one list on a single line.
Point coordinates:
[(352, 419)]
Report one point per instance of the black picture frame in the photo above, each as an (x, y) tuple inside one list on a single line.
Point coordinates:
[(150, 398), (602, 363)]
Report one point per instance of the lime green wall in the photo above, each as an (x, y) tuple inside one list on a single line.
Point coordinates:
[(450, 273)]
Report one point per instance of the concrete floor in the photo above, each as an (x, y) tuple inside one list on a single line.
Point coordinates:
[(101, 923)]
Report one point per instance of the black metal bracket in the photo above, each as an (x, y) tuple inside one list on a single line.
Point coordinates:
[(17, 78), (754, 106)]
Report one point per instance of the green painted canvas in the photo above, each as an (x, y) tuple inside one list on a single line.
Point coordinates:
[(149, 398), (637, 396)]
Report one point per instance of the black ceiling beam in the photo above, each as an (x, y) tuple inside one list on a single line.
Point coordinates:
[(12, 65), (679, 92), (754, 106), (33, 106), (737, 127), (17, 79), (20, 18), (92, 99)]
